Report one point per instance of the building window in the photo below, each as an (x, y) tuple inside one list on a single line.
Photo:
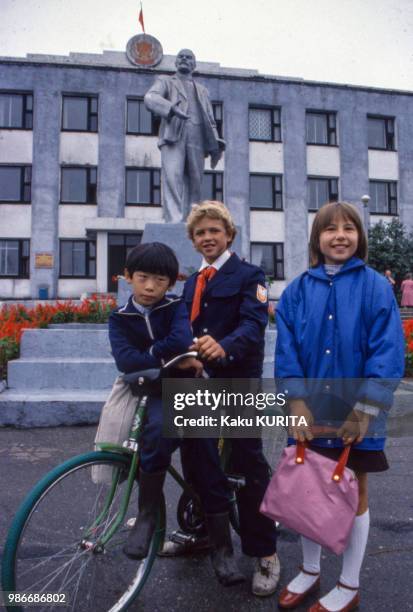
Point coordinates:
[(265, 124), (80, 113), (139, 120), (16, 111), (218, 116), (78, 185), (266, 191), (381, 133), (321, 128), (15, 183), (14, 258), (270, 257), (383, 196), (320, 191), (213, 186), (143, 186), (77, 259)]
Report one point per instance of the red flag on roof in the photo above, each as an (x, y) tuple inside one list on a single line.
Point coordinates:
[(140, 19)]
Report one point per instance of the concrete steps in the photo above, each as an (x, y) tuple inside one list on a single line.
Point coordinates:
[(64, 375), (63, 342), (87, 373)]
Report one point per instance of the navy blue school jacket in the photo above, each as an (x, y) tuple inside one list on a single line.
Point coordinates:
[(234, 311), (139, 342)]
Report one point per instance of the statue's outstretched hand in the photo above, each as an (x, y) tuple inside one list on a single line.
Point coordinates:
[(175, 110), (215, 157)]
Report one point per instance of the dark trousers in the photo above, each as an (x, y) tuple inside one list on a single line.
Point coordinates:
[(155, 456), (258, 533)]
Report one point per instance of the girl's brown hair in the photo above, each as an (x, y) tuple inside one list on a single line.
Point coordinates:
[(213, 210), (325, 216)]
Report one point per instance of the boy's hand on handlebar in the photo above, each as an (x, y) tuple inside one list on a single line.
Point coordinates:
[(299, 408), (208, 348), (190, 363)]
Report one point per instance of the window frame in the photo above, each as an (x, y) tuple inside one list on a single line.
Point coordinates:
[(390, 198), (24, 260), (90, 114), (89, 184), (275, 259), (275, 125), (331, 193), (331, 129), (26, 112), (388, 133), (25, 183), (216, 189), (153, 188), (155, 121), (88, 257), (275, 191)]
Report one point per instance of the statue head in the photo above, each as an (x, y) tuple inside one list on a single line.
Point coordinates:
[(185, 61)]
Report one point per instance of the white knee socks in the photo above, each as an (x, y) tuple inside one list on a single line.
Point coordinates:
[(352, 559), (311, 563)]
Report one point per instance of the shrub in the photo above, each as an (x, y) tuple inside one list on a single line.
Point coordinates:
[(14, 319)]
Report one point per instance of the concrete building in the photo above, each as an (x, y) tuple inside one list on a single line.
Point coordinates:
[(80, 167)]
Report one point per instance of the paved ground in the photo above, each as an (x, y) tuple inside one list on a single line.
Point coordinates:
[(25, 455)]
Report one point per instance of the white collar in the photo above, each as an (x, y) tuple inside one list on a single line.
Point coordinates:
[(145, 310), (218, 263)]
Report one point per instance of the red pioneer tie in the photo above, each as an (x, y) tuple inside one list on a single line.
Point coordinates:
[(203, 277)]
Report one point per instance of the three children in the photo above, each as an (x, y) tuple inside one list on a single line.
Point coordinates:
[(337, 320)]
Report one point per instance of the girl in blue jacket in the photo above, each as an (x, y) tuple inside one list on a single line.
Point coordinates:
[(339, 320)]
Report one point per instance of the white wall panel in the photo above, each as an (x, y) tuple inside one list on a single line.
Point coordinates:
[(74, 287), (266, 157), (15, 220), (79, 148), (72, 219), (14, 288), (142, 151), (267, 226), (16, 146), (383, 165), (323, 161)]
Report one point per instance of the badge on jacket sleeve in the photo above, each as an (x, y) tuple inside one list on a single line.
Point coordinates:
[(262, 293)]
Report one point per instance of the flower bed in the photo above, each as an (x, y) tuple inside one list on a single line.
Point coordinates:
[(14, 319), (408, 335)]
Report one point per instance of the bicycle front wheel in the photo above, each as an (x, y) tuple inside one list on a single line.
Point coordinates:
[(51, 548)]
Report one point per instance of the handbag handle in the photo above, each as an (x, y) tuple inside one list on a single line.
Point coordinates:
[(341, 463)]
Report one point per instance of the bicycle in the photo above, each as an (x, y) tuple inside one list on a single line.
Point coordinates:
[(79, 555)]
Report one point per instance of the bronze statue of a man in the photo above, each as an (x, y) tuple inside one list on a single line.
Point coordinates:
[(187, 135)]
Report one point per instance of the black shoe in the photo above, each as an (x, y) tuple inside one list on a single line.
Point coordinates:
[(150, 495), (222, 555)]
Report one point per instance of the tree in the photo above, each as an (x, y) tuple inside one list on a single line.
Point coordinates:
[(391, 247)]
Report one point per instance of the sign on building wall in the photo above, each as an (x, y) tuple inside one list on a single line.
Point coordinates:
[(43, 260)]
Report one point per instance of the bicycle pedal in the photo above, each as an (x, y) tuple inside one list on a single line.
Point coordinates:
[(236, 482), (179, 537)]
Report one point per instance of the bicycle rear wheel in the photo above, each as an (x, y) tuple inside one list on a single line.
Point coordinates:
[(50, 549)]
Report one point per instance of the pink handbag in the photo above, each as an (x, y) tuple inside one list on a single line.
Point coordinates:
[(314, 495)]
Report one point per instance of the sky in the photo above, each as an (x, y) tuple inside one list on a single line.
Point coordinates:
[(359, 42)]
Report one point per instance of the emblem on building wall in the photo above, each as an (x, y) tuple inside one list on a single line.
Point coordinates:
[(144, 50)]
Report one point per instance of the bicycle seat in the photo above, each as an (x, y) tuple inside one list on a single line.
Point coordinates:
[(144, 382)]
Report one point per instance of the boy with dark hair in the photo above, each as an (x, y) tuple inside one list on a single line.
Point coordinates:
[(149, 330)]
